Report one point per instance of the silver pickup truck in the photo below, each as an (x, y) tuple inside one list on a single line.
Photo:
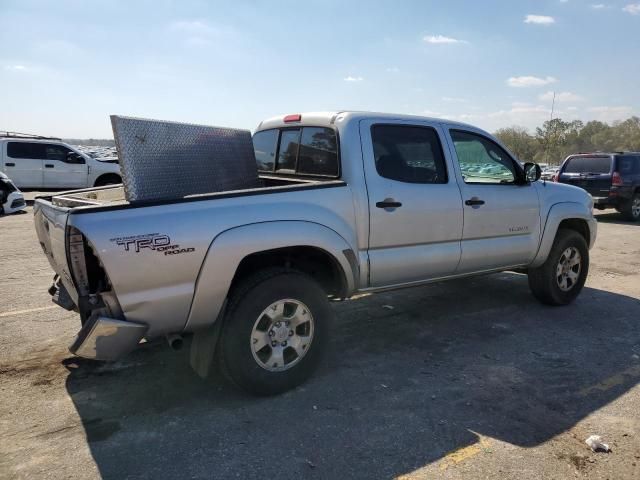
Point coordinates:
[(350, 202)]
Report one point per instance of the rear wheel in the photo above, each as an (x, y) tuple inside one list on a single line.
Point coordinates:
[(631, 209), (559, 280), (274, 332)]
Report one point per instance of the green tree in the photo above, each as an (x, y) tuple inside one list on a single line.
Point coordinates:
[(518, 141)]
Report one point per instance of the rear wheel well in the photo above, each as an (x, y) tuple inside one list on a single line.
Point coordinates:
[(577, 225), (107, 179), (315, 262)]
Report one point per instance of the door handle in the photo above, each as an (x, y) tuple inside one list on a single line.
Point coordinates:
[(48, 165), (388, 203), (10, 164), (474, 201)]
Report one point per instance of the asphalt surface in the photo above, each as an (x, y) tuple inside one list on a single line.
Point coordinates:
[(465, 379)]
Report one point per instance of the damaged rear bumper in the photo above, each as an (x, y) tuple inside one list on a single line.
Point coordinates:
[(104, 338)]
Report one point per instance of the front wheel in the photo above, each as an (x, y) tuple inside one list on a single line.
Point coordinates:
[(559, 280), (274, 332)]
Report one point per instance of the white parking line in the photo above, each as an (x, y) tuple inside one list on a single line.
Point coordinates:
[(29, 310)]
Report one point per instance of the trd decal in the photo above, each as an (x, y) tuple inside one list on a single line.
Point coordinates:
[(152, 241)]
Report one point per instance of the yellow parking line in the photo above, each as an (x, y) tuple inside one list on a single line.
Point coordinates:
[(29, 310), (454, 457), (613, 381), (461, 454)]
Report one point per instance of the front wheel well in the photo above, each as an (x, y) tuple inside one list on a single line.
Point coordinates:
[(578, 225), (315, 262)]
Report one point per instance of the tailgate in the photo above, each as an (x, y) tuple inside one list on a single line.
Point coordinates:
[(598, 185), (51, 225)]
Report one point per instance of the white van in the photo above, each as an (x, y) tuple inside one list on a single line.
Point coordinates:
[(42, 162)]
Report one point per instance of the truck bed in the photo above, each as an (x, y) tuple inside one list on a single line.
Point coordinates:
[(114, 196)]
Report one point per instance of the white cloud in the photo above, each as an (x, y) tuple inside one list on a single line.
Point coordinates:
[(521, 104), (572, 109), (16, 68), (441, 39), (564, 97), (599, 6), (454, 99), (564, 1), (539, 19), (353, 79), (530, 81), (610, 113), (632, 8)]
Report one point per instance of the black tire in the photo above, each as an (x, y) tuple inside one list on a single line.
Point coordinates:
[(107, 179), (630, 209), (247, 302), (543, 280)]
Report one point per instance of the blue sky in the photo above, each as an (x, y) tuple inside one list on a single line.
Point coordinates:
[(66, 65)]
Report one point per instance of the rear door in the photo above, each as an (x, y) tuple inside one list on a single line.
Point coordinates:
[(414, 202), (63, 172), (593, 173), (501, 214), (23, 163)]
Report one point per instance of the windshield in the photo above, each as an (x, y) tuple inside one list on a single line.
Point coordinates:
[(588, 165)]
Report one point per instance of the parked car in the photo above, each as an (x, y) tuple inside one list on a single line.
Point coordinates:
[(549, 172), (41, 162), (351, 202), (612, 179), (11, 199)]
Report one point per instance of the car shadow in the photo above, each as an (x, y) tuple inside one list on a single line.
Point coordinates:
[(409, 376), (615, 218)]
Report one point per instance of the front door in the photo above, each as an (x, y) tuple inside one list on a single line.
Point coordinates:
[(501, 211), (63, 172), (415, 207), (23, 164)]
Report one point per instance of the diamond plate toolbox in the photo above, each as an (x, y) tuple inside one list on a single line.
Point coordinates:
[(163, 160)]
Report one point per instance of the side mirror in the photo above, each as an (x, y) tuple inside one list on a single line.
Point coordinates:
[(532, 171), (73, 157)]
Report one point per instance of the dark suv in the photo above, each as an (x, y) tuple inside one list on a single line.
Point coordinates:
[(612, 179)]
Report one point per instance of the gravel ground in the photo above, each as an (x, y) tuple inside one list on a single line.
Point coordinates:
[(467, 379)]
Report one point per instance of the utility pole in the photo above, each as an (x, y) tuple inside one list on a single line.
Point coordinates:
[(553, 104)]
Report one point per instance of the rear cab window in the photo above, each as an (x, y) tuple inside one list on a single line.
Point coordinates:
[(586, 165), (308, 151)]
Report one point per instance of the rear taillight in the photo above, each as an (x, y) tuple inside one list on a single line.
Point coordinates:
[(616, 179), (555, 177)]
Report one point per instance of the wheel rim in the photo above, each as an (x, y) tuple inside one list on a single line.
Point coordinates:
[(635, 207), (568, 269), (282, 335)]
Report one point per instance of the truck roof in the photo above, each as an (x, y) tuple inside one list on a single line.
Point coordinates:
[(329, 118)]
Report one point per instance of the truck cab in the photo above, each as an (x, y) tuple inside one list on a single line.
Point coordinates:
[(45, 162)]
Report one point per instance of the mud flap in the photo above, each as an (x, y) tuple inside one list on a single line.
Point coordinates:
[(203, 346)]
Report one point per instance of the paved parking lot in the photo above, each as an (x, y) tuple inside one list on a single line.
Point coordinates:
[(468, 379)]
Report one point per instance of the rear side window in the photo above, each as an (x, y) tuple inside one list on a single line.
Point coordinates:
[(408, 154), (588, 165), (305, 151), (33, 151)]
